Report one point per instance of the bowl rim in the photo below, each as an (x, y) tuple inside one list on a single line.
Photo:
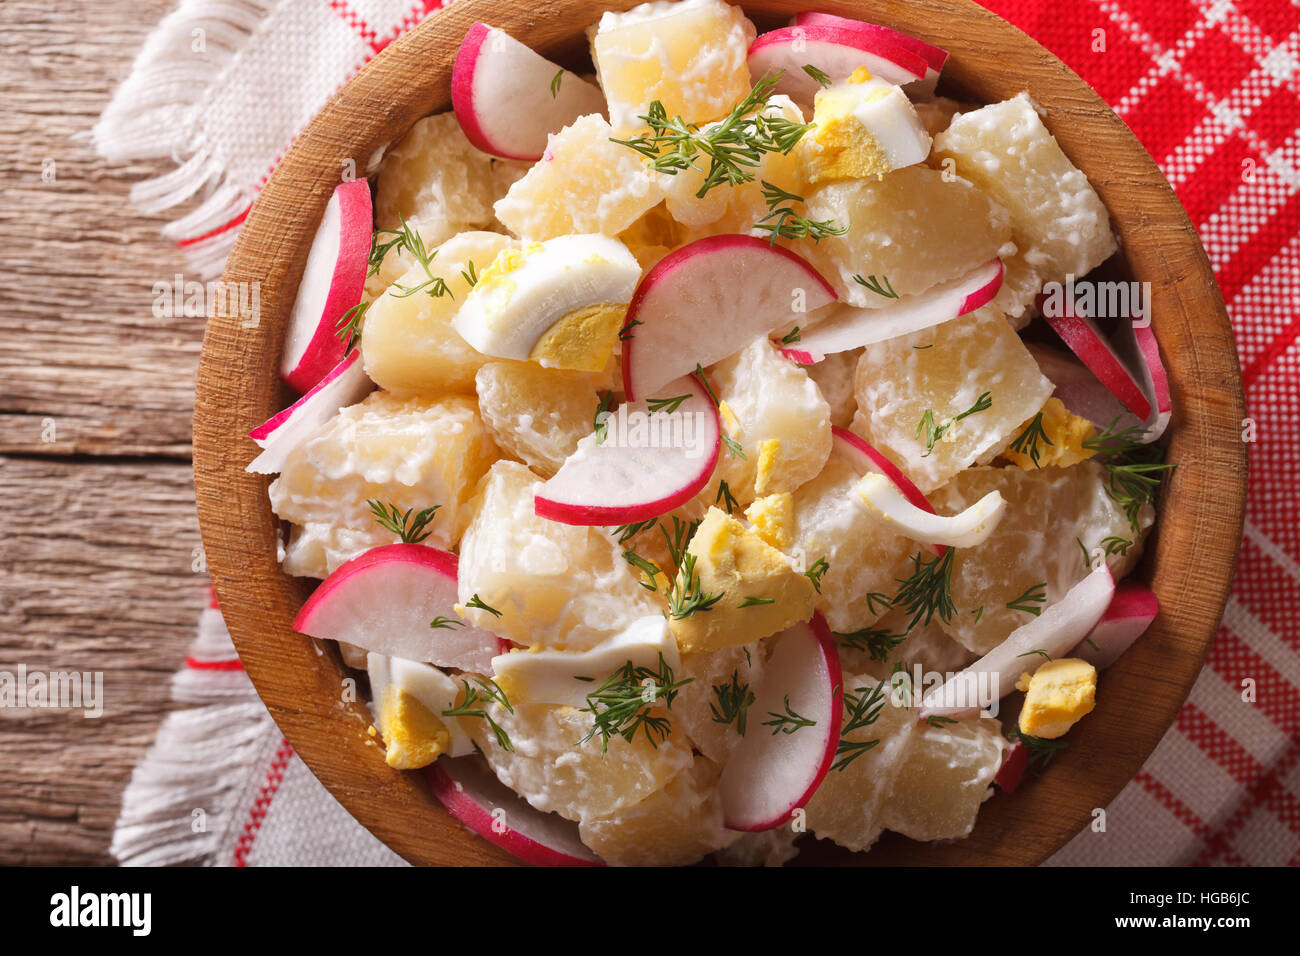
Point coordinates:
[(1190, 561)]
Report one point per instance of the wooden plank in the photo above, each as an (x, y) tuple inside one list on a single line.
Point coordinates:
[(82, 347), (96, 574)]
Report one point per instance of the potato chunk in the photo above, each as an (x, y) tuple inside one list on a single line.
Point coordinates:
[(1058, 222), (914, 387), (408, 344), (412, 453)]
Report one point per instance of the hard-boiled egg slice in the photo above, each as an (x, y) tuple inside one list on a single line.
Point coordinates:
[(392, 679), (862, 127), (559, 303), (971, 527), (565, 677)]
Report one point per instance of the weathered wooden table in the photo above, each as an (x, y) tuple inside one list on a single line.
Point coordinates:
[(97, 525)]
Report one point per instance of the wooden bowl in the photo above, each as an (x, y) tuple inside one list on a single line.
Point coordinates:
[(1189, 562)]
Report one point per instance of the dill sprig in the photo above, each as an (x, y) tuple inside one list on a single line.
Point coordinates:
[(477, 602), (622, 704), (445, 623), (470, 274), (1031, 601), (408, 525), (790, 337), (668, 405), (475, 705), (752, 601), (555, 83), (1028, 440), (348, 328), (626, 532), (814, 573), (1037, 650), (929, 590), (687, 595), (683, 531), (789, 224), (733, 447), (646, 567), (600, 419), (734, 700), (880, 286), (1114, 545), (409, 239), (726, 498), (1041, 751), (933, 433), (1134, 470), (876, 641), (789, 722), (861, 709), (733, 146), (821, 76), (876, 597)]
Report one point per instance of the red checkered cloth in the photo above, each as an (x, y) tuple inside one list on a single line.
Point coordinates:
[(1211, 89)]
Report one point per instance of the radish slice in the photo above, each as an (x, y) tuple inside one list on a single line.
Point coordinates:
[(472, 794), (835, 50), (772, 773), (934, 57), (386, 600), (968, 529), (708, 300), (332, 282), (1131, 612), (867, 459), (509, 99), (1080, 391), (428, 685), (848, 328), (647, 464), (1139, 347), (1054, 632), (345, 385), (1014, 764), (1085, 340)]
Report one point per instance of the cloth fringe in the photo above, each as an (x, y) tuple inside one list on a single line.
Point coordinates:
[(153, 115), (185, 794)]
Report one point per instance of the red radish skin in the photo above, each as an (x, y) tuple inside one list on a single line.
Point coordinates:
[(346, 384), (333, 281), (745, 770), (1079, 390), (1012, 772), (1138, 346), (848, 327), (373, 601), (1130, 613), (934, 57), (602, 471), (501, 94), (837, 50), (800, 357), (1085, 339), (708, 300), (472, 794), (869, 458)]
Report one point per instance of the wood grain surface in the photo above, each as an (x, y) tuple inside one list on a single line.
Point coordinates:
[(1189, 564), (97, 525)]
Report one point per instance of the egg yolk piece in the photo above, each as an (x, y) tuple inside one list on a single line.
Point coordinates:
[(1057, 438), (1057, 696), (413, 735)]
